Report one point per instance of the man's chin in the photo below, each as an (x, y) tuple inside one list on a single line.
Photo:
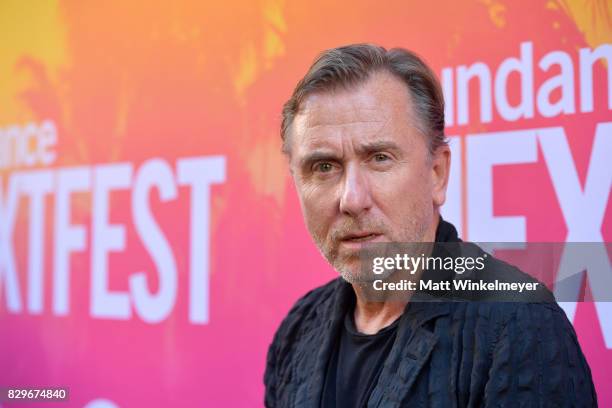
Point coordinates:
[(356, 275), (348, 263), (356, 278)]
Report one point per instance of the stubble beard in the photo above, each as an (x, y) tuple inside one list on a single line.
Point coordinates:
[(348, 264)]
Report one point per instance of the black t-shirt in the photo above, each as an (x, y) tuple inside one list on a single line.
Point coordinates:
[(355, 365)]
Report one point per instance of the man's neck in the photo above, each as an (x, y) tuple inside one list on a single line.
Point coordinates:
[(371, 317)]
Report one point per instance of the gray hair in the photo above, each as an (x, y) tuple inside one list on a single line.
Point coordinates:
[(350, 65)]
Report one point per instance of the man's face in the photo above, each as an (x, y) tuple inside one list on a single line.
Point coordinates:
[(363, 171)]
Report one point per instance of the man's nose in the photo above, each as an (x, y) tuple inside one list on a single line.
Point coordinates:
[(356, 197)]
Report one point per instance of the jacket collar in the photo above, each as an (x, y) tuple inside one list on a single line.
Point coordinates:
[(410, 351)]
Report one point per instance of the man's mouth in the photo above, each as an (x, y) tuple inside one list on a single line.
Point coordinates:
[(360, 237)]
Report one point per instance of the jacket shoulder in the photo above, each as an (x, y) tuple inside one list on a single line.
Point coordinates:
[(499, 270), (307, 312), (307, 308)]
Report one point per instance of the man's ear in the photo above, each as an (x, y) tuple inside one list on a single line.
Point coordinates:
[(440, 171)]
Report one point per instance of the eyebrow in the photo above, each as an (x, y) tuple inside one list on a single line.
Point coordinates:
[(377, 146)]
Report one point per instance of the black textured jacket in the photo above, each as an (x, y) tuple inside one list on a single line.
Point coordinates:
[(457, 354)]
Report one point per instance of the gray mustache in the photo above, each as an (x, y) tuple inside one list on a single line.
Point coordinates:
[(352, 226)]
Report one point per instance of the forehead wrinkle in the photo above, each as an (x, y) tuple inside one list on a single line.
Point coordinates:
[(368, 128), (311, 125), (338, 138), (329, 114)]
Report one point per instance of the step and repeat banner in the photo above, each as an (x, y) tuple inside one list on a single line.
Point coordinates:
[(150, 235)]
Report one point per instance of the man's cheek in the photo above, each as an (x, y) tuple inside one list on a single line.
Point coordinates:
[(312, 195), (319, 203), (317, 225)]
